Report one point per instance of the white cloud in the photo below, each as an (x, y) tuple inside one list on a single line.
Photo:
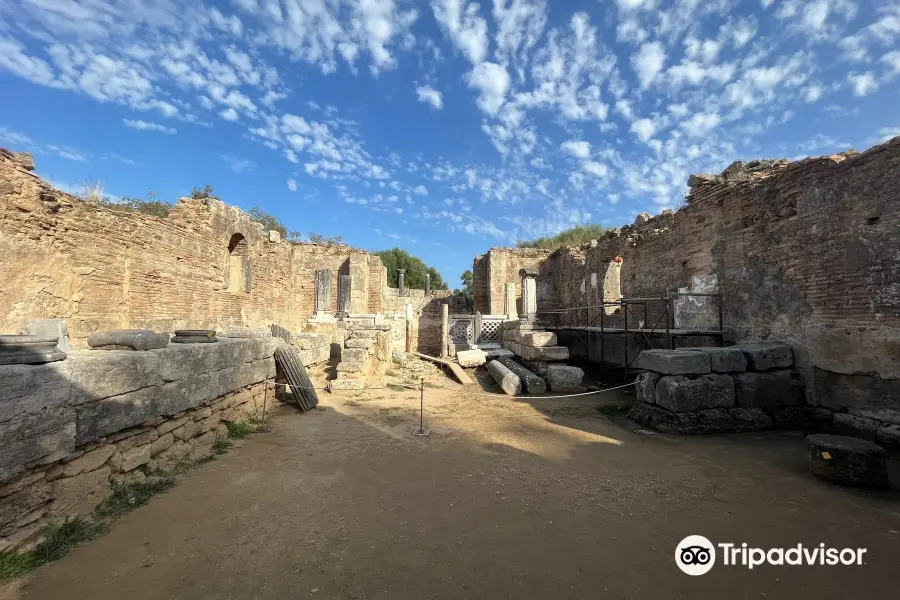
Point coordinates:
[(892, 60), (578, 149), (643, 129), (292, 185), (238, 165), (596, 169), (147, 126), (229, 114), (431, 96), (492, 81), (648, 61), (421, 190), (863, 83), (520, 24), (464, 26), (813, 93), (701, 124)]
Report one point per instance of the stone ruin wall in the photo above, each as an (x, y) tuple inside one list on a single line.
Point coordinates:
[(426, 325), (500, 266), (61, 257), (74, 429), (806, 253)]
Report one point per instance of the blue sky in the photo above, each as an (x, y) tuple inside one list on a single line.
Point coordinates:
[(443, 127)]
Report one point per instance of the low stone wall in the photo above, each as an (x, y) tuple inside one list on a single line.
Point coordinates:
[(536, 347), (71, 428), (366, 351), (314, 348), (715, 390)]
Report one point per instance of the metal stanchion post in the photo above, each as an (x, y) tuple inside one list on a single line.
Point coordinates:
[(421, 431)]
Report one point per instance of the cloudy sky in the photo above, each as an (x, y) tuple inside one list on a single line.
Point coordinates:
[(444, 127)]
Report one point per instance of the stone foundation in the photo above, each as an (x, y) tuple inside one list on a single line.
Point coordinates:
[(365, 351), (711, 390), (73, 428)]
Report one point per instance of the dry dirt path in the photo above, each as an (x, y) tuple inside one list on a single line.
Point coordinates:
[(544, 499)]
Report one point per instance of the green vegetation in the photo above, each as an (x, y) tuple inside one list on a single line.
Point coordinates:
[(570, 237), (204, 194), (239, 429), (93, 192), (396, 259), (54, 546), (126, 498), (221, 445), (466, 294), (396, 387), (272, 223)]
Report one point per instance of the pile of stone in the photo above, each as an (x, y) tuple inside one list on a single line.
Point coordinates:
[(314, 348), (514, 378), (537, 348), (709, 390), (366, 351)]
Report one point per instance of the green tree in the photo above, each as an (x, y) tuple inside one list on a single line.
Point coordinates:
[(466, 293), (268, 221), (396, 259), (204, 194), (570, 237)]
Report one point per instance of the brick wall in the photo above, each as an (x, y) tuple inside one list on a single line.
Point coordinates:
[(101, 269), (501, 266), (806, 253)]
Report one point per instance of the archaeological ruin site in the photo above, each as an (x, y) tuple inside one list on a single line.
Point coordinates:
[(726, 369)]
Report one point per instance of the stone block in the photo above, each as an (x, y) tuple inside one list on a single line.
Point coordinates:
[(350, 367), (314, 356), (161, 443), (508, 381), (847, 461), (44, 437), (132, 458), (471, 358), (682, 394), (859, 427), (89, 461), (23, 501), (715, 420), (186, 431), (209, 423), (792, 417), (673, 362), (888, 437), (724, 360), (97, 375), (497, 353), (181, 361), (531, 382), (383, 342), (539, 339), (358, 355), (170, 425), (751, 419), (645, 386), (306, 341), (564, 378), (230, 353), (877, 413), (552, 353), (33, 388), (78, 496), (359, 343), (765, 356), (769, 390), (363, 334), (347, 384)]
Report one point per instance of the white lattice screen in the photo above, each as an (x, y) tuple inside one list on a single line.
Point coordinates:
[(491, 331)]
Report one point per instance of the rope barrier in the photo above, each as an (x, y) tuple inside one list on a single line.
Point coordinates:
[(486, 394)]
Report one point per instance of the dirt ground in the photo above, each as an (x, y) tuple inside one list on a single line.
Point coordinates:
[(508, 498)]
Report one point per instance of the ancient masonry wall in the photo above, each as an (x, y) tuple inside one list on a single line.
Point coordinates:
[(426, 324), (501, 266), (806, 253), (61, 257), (72, 429)]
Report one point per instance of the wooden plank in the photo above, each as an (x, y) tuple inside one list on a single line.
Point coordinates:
[(454, 368)]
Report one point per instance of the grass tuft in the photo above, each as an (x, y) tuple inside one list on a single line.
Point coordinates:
[(239, 429), (126, 498), (54, 546), (396, 387), (221, 445)]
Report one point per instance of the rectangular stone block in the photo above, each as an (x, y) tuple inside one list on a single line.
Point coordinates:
[(363, 334), (98, 374), (724, 360), (765, 356), (682, 394), (471, 358), (358, 355), (314, 356), (564, 378), (751, 419), (359, 343), (347, 384), (33, 388), (305, 341), (769, 390), (539, 339), (645, 386), (178, 361), (229, 353), (853, 426), (78, 496), (46, 436), (673, 362), (350, 367)]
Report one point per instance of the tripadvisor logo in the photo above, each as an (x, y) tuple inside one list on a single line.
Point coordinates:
[(696, 555)]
